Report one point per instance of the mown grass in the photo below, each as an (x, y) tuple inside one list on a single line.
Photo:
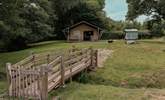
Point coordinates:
[(128, 74)]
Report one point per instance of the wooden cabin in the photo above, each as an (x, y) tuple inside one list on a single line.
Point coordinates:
[(83, 31)]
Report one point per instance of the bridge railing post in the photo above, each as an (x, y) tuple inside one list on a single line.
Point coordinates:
[(96, 58), (33, 59), (62, 71), (8, 70), (92, 56), (44, 84), (48, 58)]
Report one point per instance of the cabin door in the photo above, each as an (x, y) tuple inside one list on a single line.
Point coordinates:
[(88, 35)]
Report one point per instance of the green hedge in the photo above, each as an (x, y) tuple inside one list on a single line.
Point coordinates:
[(113, 35), (121, 35)]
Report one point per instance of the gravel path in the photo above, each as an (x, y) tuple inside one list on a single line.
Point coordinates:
[(103, 55)]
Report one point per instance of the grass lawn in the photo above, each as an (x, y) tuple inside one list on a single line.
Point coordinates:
[(130, 73)]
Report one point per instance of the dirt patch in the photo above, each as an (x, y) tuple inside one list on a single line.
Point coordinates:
[(103, 55), (155, 95)]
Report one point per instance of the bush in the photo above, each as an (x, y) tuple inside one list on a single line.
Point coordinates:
[(145, 35), (158, 29), (12, 44), (112, 35), (121, 35)]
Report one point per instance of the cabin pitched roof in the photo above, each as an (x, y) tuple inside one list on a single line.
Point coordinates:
[(87, 23)]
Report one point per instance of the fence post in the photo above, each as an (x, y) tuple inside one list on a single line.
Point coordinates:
[(8, 70), (86, 56), (44, 84), (62, 72)]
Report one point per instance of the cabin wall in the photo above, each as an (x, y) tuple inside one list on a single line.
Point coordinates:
[(77, 33)]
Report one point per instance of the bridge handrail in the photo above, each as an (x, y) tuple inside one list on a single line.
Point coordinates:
[(50, 73)]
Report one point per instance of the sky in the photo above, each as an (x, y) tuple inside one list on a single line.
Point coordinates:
[(117, 10)]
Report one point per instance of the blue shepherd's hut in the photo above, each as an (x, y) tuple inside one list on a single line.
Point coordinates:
[(131, 35)]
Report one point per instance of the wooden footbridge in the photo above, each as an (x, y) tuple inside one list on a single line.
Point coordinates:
[(38, 74)]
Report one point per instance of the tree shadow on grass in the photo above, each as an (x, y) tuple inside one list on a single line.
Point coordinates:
[(45, 43), (36, 45)]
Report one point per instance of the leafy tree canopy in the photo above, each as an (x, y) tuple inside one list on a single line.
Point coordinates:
[(154, 8)]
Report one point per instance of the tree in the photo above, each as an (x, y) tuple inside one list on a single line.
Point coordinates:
[(154, 8), (23, 22), (39, 17), (11, 25)]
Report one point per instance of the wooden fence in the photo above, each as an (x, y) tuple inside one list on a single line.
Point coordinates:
[(38, 74)]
